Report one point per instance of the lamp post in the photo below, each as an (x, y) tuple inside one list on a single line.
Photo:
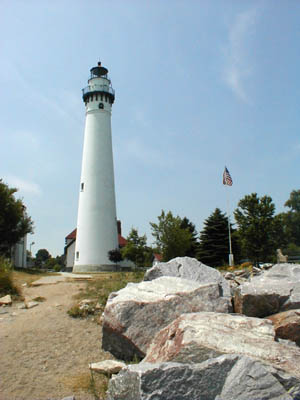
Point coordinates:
[(31, 244)]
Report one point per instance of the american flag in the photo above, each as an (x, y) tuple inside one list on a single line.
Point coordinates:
[(227, 178)]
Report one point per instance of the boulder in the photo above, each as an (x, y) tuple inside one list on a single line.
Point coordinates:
[(199, 336), (107, 366), (227, 377), (6, 300), (287, 325), (188, 268), (133, 315), (276, 290)]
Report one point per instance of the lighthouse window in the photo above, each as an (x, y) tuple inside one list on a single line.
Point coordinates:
[(77, 255), (101, 95), (106, 97), (92, 97), (101, 105), (96, 97), (82, 186)]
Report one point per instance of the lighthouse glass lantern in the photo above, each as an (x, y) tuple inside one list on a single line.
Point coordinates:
[(96, 221)]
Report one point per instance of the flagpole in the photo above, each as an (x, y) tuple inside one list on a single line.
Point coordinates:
[(231, 261), (227, 181)]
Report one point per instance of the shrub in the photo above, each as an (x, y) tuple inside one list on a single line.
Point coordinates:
[(246, 265), (100, 288), (6, 282), (57, 267)]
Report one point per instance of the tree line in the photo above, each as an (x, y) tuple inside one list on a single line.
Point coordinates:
[(256, 235)]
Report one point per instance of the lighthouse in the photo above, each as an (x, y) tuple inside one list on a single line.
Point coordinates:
[(96, 222)]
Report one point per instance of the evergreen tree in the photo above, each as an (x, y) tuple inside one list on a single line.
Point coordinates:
[(214, 240), (187, 224)]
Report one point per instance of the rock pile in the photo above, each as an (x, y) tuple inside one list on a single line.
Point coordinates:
[(180, 319), (134, 315)]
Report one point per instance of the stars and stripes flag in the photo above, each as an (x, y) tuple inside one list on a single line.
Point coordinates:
[(227, 178)]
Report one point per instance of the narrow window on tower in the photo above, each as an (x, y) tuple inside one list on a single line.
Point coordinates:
[(82, 187), (96, 97), (77, 255)]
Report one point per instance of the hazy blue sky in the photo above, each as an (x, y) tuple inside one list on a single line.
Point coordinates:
[(199, 85)]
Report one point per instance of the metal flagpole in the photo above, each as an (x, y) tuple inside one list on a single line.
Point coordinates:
[(231, 261), (227, 181)]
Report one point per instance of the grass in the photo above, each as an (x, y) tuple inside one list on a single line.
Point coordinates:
[(99, 289), (7, 283), (96, 384), (12, 280)]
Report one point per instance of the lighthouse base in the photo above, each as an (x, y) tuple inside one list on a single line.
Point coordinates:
[(96, 268)]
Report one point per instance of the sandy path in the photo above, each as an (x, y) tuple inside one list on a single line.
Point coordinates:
[(42, 349)]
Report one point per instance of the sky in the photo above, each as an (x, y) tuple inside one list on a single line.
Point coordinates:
[(199, 85)]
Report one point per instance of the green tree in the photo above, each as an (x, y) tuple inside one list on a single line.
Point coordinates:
[(136, 249), (171, 239), (291, 219), (214, 240), (257, 227), (41, 257), (193, 250), (14, 221)]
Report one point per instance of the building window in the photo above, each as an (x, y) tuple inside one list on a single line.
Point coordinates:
[(101, 106), (101, 97), (81, 186), (77, 255), (96, 97)]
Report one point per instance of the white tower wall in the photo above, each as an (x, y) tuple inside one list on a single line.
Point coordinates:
[(97, 222)]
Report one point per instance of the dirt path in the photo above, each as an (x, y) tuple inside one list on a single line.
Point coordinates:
[(44, 353)]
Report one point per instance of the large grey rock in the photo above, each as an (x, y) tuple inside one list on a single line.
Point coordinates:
[(188, 268), (287, 325), (276, 290), (199, 336), (134, 315), (229, 377)]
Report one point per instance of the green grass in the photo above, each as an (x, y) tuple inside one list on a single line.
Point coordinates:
[(99, 289), (7, 284), (12, 280), (95, 384)]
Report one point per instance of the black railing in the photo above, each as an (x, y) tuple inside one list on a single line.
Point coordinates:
[(98, 88)]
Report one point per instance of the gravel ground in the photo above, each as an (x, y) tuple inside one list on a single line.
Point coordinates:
[(44, 353)]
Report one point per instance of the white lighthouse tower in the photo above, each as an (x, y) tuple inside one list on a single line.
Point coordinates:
[(96, 222)]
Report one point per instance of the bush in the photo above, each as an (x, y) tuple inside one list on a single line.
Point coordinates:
[(247, 265), (57, 267), (6, 283)]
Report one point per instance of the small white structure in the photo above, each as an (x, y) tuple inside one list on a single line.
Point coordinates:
[(96, 222), (19, 254)]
